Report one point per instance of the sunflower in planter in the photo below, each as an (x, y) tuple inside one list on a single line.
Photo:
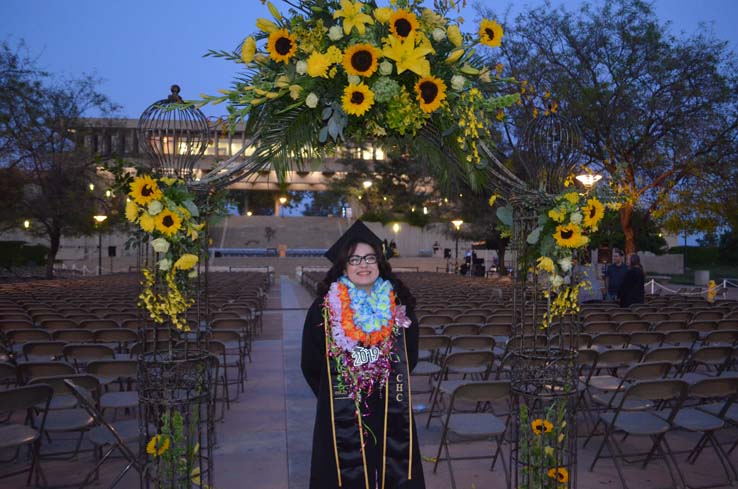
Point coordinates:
[(396, 72), (164, 209)]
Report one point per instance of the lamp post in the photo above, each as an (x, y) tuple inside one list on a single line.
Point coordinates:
[(99, 219), (589, 180), (457, 224), (282, 202)]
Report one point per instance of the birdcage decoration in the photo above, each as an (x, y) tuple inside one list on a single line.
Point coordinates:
[(174, 134)]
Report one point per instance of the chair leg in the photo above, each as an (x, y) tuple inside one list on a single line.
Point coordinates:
[(669, 460), (728, 466)]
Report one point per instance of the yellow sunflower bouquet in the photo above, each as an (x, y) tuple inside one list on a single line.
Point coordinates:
[(165, 212), (563, 228), (327, 72)]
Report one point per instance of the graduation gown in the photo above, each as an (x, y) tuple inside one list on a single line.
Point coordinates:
[(402, 467)]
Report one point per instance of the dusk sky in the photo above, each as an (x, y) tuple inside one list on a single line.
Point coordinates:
[(140, 47)]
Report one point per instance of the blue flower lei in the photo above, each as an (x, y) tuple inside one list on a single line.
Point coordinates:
[(371, 311)]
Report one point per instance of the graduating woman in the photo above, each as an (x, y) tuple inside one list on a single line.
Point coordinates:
[(359, 345)]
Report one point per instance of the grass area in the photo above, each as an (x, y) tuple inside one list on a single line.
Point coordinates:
[(717, 273)]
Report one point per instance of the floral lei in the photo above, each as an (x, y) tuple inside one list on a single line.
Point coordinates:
[(363, 328)]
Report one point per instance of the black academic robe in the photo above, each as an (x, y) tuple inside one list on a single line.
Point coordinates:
[(323, 473), (631, 290)]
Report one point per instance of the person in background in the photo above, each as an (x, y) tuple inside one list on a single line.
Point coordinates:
[(631, 289), (614, 275)]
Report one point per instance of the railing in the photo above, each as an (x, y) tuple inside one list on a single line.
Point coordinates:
[(722, 289)]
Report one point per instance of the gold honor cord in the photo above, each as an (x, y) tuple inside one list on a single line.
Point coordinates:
[(330, 396), (361, 439), (384, 443), (409, 408)]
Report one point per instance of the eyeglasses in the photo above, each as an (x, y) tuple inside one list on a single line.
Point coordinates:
[(356, 260)]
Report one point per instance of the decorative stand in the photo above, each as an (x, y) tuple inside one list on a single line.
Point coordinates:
[(176, 375)]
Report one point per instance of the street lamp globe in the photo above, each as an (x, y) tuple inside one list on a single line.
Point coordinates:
[(366, 184), (457, 223), (589, 180)]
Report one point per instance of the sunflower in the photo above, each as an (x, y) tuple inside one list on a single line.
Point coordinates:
[(569, 236), (594, 211), (157, 445), (361, 60), (168, 222), (560, 474), (540, 426), (357, 99), (431, 91), (546, 264), (144, 189), (281, 45), (403, 23), (490, 33)]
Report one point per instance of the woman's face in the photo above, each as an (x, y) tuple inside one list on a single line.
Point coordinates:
[(363, 275)]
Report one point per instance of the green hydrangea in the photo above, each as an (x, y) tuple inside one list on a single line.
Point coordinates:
[(402, 114), (385, 89)]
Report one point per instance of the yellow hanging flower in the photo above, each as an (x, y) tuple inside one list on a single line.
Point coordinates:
[(560, 474), (318, 65), (185, 262), (454, 55), (357, 99), (361, 60), (407, 56), (281, 45), (403, 24), (540, 426), (157, 445), (594, 211), (144, 189), (492, 200), (248, 50), (168, 222), (266, 25), (353, 17), (546, 264), (454, 35), (147, 222), (131, 211), (431, 91), (570, 236)]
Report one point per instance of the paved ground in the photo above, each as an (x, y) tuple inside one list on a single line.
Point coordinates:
[(265, 440)]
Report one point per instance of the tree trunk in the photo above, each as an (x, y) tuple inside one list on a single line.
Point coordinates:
[(626, 213), (54, 239), (501, 268)]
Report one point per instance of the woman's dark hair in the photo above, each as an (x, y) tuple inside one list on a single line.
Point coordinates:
[(385, 271), (635, 261)]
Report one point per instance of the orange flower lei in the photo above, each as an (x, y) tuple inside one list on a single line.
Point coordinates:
[(347, 320)]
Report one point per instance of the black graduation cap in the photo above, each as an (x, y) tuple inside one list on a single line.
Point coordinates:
[(357, 232)]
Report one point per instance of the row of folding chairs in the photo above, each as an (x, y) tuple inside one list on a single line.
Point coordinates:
[(667, 325)]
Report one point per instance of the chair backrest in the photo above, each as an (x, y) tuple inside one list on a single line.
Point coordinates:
[(473, 342), (727, 323), (57, 383), (229, 323), (435, 320), (25, 335), (98, 324), (115, 335), (646, 339), (44, 349), (622, 357), (426, 330), (686, 337), (712, 355), (460, 329), (715, 387), (633, 326), (703, 326), (625, 316), (648, 371), (595, 327), (58, 323), (113, 368), (657, 390), (676, 355), (714, 315), (724, 336), (611, 339), (470, 318), (670, 325), (73, 335), (468, 361), (496, 329), (31, 370), (86, 352), (484, 391), (25, 397)]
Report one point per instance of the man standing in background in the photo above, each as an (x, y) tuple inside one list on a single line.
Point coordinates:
[(614, 275)]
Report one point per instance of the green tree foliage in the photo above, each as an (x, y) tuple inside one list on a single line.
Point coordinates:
[(657, 111), (647, 233), (41, 129)]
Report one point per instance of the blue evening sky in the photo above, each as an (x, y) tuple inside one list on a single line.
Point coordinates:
[(140, 47)]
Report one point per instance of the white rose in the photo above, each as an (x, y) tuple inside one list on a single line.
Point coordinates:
[(155, 207), (565, 263), (576, 217), (438, 34), (354, 79), (160, 245), (457, 82), (556, 281), (335, 33), (165, 264), (192, 274), (311, 100), (385, 68), (301, 67)]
